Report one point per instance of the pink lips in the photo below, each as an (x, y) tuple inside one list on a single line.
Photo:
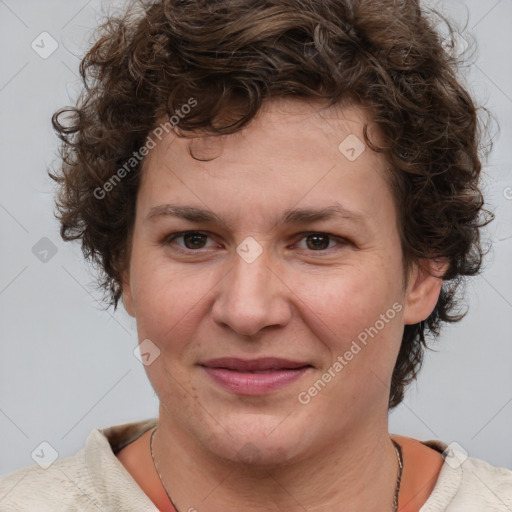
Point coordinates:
[(255, 376)]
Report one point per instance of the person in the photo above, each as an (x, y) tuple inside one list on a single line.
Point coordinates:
[(285, 196)]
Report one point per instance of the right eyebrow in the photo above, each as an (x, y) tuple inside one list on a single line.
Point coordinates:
[(190, 213)]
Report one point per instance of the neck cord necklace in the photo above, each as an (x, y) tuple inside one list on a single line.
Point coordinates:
[(397, 488)]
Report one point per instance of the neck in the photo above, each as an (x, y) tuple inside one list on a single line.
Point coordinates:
[(358, 471)]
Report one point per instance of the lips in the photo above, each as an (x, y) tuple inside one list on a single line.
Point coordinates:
[(264, 364), (256, 376)]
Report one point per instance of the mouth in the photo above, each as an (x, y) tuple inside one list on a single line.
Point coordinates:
[(256, 376)]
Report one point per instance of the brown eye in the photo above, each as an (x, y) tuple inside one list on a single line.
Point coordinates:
[(194, 240), (318, 241), (321, 242), (189, 240)]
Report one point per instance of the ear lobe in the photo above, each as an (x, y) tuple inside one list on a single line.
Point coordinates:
[(423, 289)]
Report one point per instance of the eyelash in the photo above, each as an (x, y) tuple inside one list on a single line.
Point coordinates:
[(167, 241)]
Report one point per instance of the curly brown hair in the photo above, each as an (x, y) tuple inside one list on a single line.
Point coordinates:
[(231, 55)]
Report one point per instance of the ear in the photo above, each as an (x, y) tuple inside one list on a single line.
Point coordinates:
[(423, 289), (127, 294)]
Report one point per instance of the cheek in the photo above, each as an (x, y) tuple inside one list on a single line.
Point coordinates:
[(168, 298), (349, 301), (357, 317), (358, 322)]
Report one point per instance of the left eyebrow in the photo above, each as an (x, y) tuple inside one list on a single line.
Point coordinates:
[(305, 215), (291, 216)]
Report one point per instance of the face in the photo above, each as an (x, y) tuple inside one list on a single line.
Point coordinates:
[(270, 280)]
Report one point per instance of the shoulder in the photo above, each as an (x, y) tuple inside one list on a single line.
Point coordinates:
[(92, 479), (37, 489), (468, 484), (485, 484)]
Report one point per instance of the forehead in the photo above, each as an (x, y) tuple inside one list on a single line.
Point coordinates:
[(293, 152), (286, 128)]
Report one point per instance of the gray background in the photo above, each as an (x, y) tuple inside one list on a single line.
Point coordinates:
[(67, 366)]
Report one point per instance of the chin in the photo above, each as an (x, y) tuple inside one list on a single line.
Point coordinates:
[(256, 440)]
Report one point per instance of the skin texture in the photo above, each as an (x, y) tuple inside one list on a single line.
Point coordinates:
[(294, 301)]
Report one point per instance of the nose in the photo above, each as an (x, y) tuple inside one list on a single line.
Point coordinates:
[(251, 297)]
